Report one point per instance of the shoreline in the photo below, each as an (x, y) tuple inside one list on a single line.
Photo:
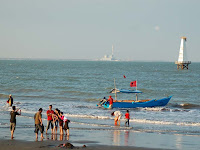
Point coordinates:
[(53, 145), (97, 138)]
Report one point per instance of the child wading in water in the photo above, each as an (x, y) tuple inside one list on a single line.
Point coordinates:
[(66, 122), (66, 126), (127, 117)]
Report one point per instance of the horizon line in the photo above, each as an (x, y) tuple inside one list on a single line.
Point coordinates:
[(61, 59)]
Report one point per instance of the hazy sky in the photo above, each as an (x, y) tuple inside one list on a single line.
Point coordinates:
[(148, 30)]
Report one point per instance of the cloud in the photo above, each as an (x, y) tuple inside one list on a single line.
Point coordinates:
[(157, 28)]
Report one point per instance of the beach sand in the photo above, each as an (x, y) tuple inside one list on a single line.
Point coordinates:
[(53, 145), (97, 140)]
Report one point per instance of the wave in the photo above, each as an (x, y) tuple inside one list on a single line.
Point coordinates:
[(78, 93), (91, 124), (87, 116), (189, 106), (138, 120), (4, 96), (29, 90), (82, 106), (156, 109), (164, 109), (63, 87), (92, 99), (166, 122), (46, 97), (186, 106)]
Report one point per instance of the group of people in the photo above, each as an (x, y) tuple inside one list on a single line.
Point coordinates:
[(118, 116), (55, 119)]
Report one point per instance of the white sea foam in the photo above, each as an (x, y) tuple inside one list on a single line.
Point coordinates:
[(158, 122), (156, 109), (136, 120), (166, 122), (87, 116)]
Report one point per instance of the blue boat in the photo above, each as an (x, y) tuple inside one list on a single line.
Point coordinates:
[(138, 103), (133, 103), (129, 91)]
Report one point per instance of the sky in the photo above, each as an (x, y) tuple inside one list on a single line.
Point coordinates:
[(140, 30)]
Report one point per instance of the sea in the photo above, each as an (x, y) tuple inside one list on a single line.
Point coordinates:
[(76, 87)]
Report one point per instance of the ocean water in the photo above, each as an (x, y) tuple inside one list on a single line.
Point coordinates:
[(75, 87)]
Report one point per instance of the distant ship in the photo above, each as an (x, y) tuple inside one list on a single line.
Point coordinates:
[(109, 57)]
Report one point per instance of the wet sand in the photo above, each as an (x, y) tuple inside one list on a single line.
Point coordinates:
[(53, 145)]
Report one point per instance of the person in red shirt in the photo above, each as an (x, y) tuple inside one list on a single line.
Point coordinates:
[(50, 114), (127, 117), (110, 100)]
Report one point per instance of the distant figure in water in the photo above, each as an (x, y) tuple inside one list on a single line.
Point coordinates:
[(10, 100), (102, 102), (13, 114), (110, 100), (127, 117), (117, 115)]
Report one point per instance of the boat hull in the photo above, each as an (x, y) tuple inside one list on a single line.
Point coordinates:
[(150, 103)]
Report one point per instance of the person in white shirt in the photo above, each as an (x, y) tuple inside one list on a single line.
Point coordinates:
[(117, 115)]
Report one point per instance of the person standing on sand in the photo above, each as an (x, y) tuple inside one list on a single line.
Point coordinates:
[(117, 115), (13, 114), (10, 100), (127, 117), (60, 115), (66, 126), (110, 100), (66, 123), (50, 115), (38, 123), (55, 120)]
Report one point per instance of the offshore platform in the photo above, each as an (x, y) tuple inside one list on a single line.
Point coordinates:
[(182, 62)]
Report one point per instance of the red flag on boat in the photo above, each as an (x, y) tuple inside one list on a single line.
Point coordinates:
[(124, 76), (133, 84)]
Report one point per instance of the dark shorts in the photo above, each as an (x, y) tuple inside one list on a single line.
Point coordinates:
[(39, 127), (66, 126), (12, 126), (61, 123), (56, 123), (49, 122), (127, 121)]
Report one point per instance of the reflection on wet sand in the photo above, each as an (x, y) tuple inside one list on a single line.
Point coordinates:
[(122, 137), (116, 137), (126, 138), (178, 142), (55, 137)]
